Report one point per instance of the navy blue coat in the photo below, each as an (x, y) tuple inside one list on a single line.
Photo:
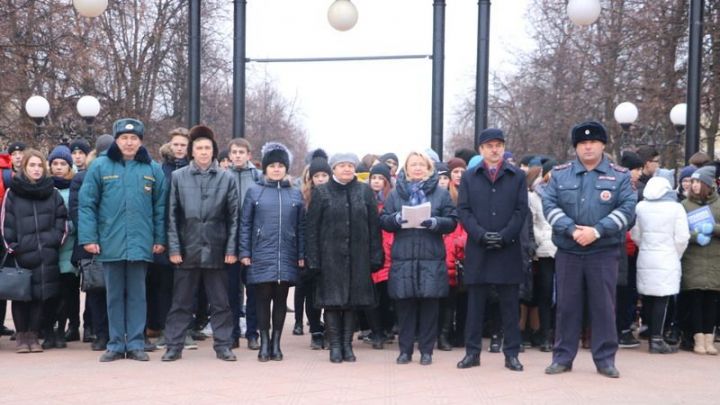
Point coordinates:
[(272, 232), (500, 206), (418, 267)]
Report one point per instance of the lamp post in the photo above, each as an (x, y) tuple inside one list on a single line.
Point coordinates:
[(692, 144), (194, 61), (625, 114), (88, 107), (583, 12), (678, 117), (37, 108)]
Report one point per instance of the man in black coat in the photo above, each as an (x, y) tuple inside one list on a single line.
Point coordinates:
[(492, 206)]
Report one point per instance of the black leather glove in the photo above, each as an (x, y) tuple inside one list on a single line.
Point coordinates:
[(492, 240)]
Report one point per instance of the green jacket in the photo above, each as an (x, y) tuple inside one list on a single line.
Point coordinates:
[(66, 249), (122, 206), (701, 264)]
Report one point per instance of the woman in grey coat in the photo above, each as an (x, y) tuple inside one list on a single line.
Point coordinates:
[(272, 239)]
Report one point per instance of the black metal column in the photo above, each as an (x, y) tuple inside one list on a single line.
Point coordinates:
[(239, 60), (692, 143), (194, 61), (438, 77), (481, 73)]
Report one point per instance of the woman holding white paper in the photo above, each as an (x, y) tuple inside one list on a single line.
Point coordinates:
[(418, 276)]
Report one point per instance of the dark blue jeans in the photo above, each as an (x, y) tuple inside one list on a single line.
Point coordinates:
[(250, 307)]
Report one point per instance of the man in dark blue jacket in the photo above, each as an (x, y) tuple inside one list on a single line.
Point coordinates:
[(589, 203), (492, 206)]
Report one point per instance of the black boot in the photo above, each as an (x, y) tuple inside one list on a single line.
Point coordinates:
[(276, 353), (264, 354), (317, 341), (332, 331), (60, 342), (72, 334), (444, 339), (49, 341), (347, 336)]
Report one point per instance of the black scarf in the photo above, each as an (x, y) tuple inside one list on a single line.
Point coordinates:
[(40, 190), (61, 183)]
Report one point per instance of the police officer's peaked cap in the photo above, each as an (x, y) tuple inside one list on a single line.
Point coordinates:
[(588, 131), (128, 126)]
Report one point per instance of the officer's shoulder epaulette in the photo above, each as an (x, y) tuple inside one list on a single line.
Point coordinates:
[(618, 168), (563, 166)]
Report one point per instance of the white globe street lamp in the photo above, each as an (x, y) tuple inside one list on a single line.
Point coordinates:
[(90, 8), (88, 107), (37, 107), (678, 115), (342, 15), (625, 114), (583, 12)]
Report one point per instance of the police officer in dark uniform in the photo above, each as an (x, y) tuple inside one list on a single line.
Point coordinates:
[(589, 203)]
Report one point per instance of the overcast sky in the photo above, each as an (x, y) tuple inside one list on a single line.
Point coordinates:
[(376, 106)]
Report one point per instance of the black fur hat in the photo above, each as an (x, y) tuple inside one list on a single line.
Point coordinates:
[(201, 131), (275, 152)]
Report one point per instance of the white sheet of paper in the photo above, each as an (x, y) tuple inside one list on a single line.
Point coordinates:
[(415, 215)]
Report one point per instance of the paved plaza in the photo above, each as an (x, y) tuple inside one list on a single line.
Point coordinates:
[(74, 376)]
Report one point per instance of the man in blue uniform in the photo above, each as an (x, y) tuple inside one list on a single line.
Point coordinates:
[(589, 203)]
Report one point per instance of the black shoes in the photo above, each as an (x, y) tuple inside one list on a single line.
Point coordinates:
[(149, 346), (404, 358), (317, 341), (546, 346), (226, 355), (470, 360), (556, 368), (172, 355), (444, 343), (109, 356), (658, 346), (72, 335), (513, 364), (138, 355), (298, 329), (495, 344), (88, 335), (60, 342), (425, 359), (5, 331), (609, 371), (253, 343), (236, 343), (99, 344), (627, 340)]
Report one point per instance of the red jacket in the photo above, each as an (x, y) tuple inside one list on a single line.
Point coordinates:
[(5, 163), (387, 242), (454, 251), (630, 245)]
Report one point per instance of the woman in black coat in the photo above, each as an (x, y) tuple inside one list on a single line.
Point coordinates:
[(343, 246), (34, 227), (272, 239), (419, 275)]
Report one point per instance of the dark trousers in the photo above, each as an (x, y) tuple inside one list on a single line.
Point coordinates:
[(159, 289), (509, 306), (596, 274), (69, 303), (28, 315), (275, 294), (381, 318), (703, 310), (3, 311), (304, 292), (185, 287), (417, 317), (545, 286), (234, 287), (250, 308), (461, 305), (96, 301), (657, 307), (626, 298), (446, 317)]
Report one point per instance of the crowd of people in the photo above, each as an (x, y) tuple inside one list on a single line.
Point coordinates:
[(532, 254)]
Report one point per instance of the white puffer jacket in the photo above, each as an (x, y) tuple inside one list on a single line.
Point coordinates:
[(661, 232), (542, 231)]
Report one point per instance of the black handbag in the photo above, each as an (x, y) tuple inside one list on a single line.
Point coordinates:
[(91, 275), (15, 283)]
